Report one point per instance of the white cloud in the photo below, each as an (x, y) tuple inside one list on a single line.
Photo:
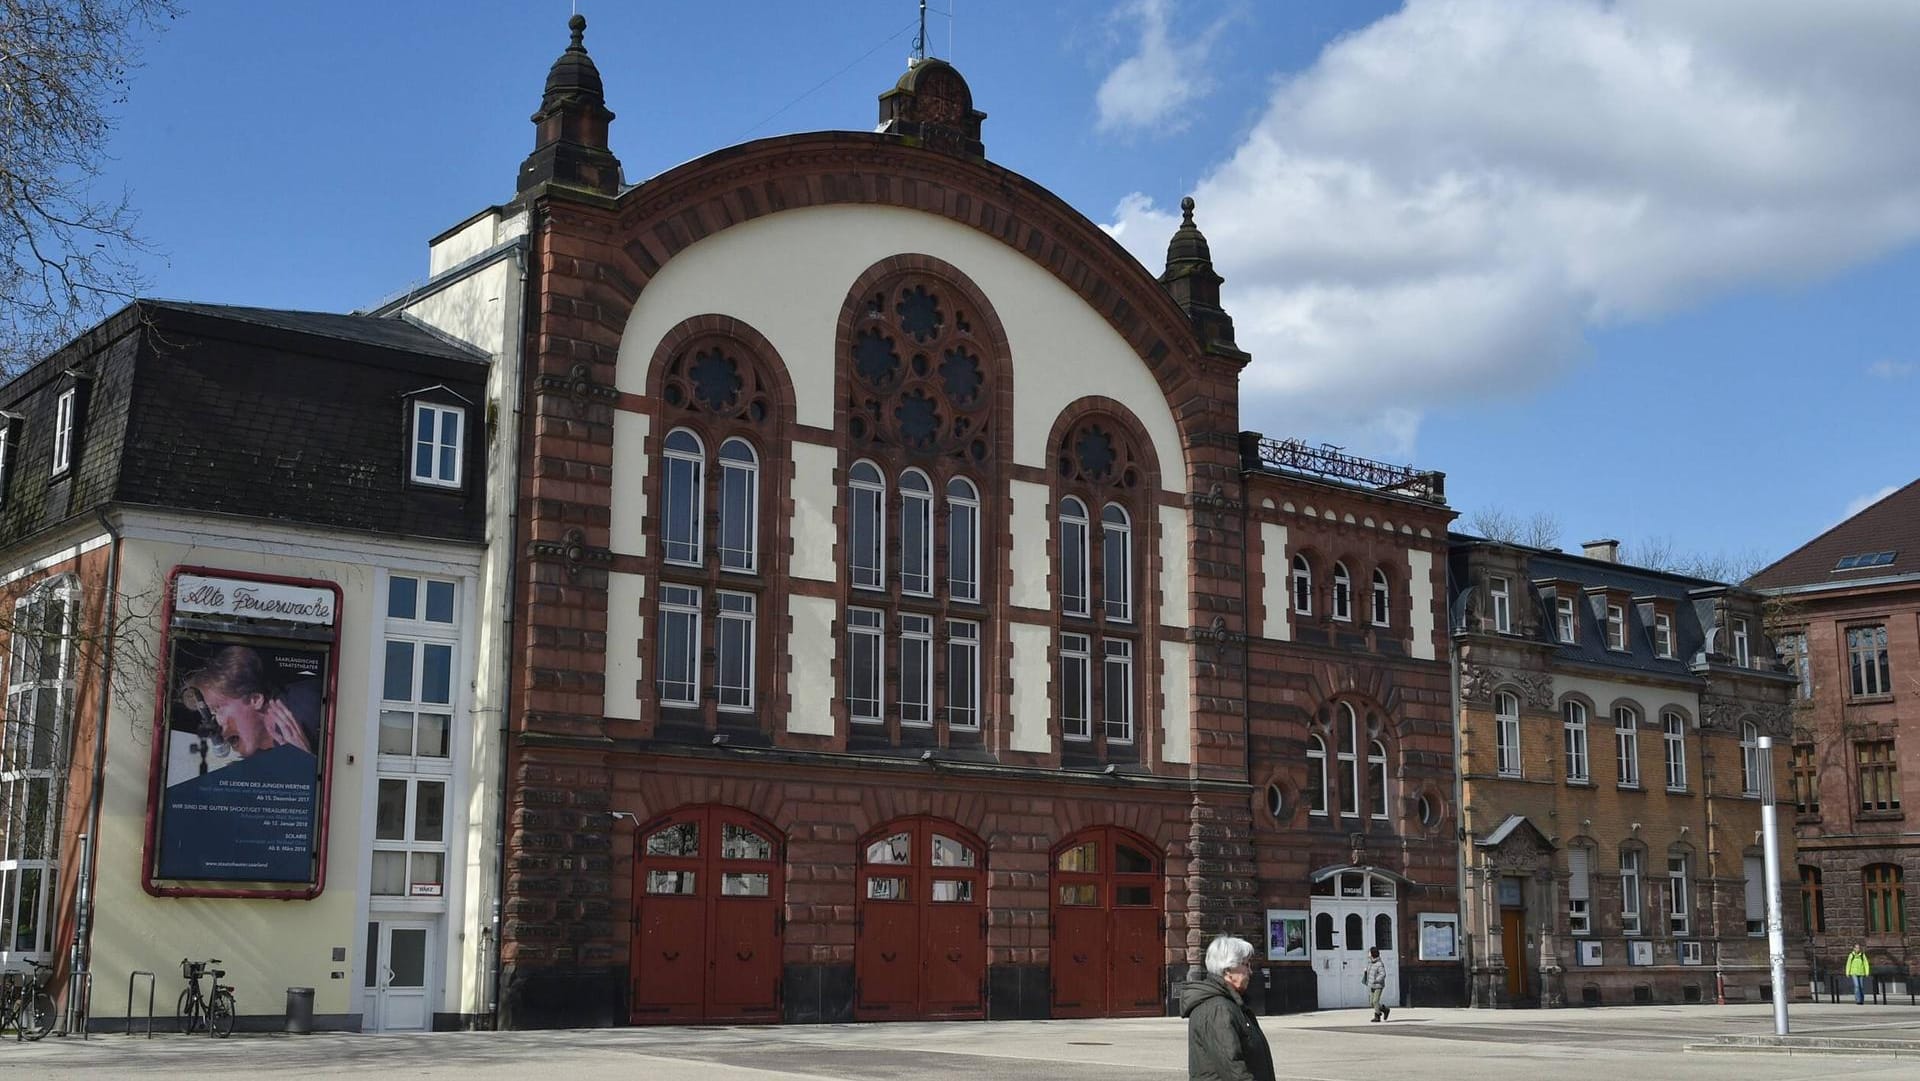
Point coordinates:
[(1152, 88), (1892, 369), (1446, 201), (1861, 503)]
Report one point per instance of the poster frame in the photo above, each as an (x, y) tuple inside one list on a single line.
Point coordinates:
[(1283, 916), (156, 770)]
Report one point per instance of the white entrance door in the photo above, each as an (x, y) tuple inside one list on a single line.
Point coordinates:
[(402, 976), (1343, 930)]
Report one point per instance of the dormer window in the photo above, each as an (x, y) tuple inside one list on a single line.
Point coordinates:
[(1563, 618), (63, 418), (439, 440), (1616, 627), (1663, 635), (6, 453), (1742, 655), (1501, 604)]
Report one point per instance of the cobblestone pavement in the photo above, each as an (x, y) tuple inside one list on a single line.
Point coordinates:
[(1637, 1043)]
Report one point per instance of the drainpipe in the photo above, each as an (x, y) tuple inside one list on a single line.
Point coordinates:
[(1459, 790), (89, 860), (520, 262)]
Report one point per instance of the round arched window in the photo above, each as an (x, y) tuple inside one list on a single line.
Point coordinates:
[(1429, 810), (1276, 800)]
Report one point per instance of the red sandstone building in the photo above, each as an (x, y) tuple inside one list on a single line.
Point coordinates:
[(904, 627), (1846, 612)]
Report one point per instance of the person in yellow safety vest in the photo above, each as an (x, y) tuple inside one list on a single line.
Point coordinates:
[(1859, 969)]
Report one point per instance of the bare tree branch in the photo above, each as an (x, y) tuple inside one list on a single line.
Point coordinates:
[(1541, 529)]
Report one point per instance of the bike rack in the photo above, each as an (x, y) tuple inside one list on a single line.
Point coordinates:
[(79, 1005), (151, 982)]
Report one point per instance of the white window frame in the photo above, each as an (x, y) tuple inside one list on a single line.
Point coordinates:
[(63, 411), (916, 516), (1579, 891), (1500, 599), (867, 501), (1506, 719), (1673, 743), (1302, 586), (1573, 722), (6, 453), (679, 608), (419, 631), (866, 631), (1118, 602), (740, 613), (1076, 589), (963, 674), (1679, 901), (1382, 599), (1749, 759), (963, 540), (916, 695), (1793, 646), (1378, 796), (1617, 628), (1626, 745), (1116, 656), (1346, 752), (1756, 894), (1076, 711), (1663, 636), (1342, 593), (683, 476), (1870, 674), (1317, 760), (435, 444), (1564, 617), (409, 844), (745, 474), (19, 739), (1631, 898), (1742, 644)]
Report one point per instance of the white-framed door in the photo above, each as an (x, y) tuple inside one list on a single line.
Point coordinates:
[(400, 980), (1343, 930)]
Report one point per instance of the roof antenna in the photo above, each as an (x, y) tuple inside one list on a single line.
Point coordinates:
[(920, 39)]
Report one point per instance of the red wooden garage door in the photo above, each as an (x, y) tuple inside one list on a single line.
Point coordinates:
[(922, 947), (707, 891), (1108, 947)]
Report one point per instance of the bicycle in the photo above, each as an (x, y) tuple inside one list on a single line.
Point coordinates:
[(25, 1005), (213, 1012)]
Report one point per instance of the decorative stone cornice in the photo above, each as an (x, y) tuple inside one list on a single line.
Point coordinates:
[(572, 550), (1477, 683), (1724, 712), (578, 382), (1217, 636)]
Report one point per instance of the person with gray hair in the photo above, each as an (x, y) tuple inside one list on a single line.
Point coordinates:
[(1224, 1041)]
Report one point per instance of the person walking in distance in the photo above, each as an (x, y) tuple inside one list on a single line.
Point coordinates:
[(1859, 969), (1375, 976), (1224, 1041)]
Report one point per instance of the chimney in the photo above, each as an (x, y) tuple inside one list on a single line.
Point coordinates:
[(1607, 550)]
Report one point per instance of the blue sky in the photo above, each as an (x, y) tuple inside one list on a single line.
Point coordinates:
[(1647, 265)]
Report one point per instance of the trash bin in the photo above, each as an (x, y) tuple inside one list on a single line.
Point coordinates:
[(299, 1010)]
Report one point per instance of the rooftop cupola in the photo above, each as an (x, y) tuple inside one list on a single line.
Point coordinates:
[(932, 105), (570, 130), (1190, 280)]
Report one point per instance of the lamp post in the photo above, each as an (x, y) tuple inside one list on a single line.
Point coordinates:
[(1770, 839)]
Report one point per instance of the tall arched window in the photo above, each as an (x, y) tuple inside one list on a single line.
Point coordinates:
[(1316, 775), (916, 533), (1886, 894), (1377, 779), (1674, 747), (681, 517), (1626, 741), (1116, 562), (739, 506), (1506, 719), (1075, 589), (1342, 593), (963, 540), (1749, 758), (1346, 734), (1382, 599), (867, 524), (1574, 724), (1302, 586)]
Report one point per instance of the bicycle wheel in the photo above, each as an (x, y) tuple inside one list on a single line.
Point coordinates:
[(220, 1014), (36, 1020), (187, 1012)]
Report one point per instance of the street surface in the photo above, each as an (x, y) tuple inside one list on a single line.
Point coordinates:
[(1638, 1043)]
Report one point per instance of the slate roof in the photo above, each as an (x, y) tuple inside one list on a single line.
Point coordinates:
[(1890, 525), (384, 333)]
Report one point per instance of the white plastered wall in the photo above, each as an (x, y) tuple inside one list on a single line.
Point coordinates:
[(1032, 704), (626, 644), (814, 498), (629, 511), (1420, 594), (1651, 698), (1176, 714), (812, 645), (1029, 545), (1277, 623)]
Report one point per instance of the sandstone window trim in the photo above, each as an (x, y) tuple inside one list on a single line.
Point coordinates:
[(1507, 733)]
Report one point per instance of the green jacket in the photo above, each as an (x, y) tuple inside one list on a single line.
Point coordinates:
[(1857, 964), (1224, 1042)]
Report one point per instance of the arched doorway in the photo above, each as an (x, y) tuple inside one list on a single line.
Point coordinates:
[(707, 890), (922, 946), (1108, 948), (1354, 909)]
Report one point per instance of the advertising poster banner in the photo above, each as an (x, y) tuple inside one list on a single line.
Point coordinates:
[(244, 751)]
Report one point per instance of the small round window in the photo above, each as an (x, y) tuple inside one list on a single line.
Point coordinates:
[(1276, 800), (1429, 810)]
